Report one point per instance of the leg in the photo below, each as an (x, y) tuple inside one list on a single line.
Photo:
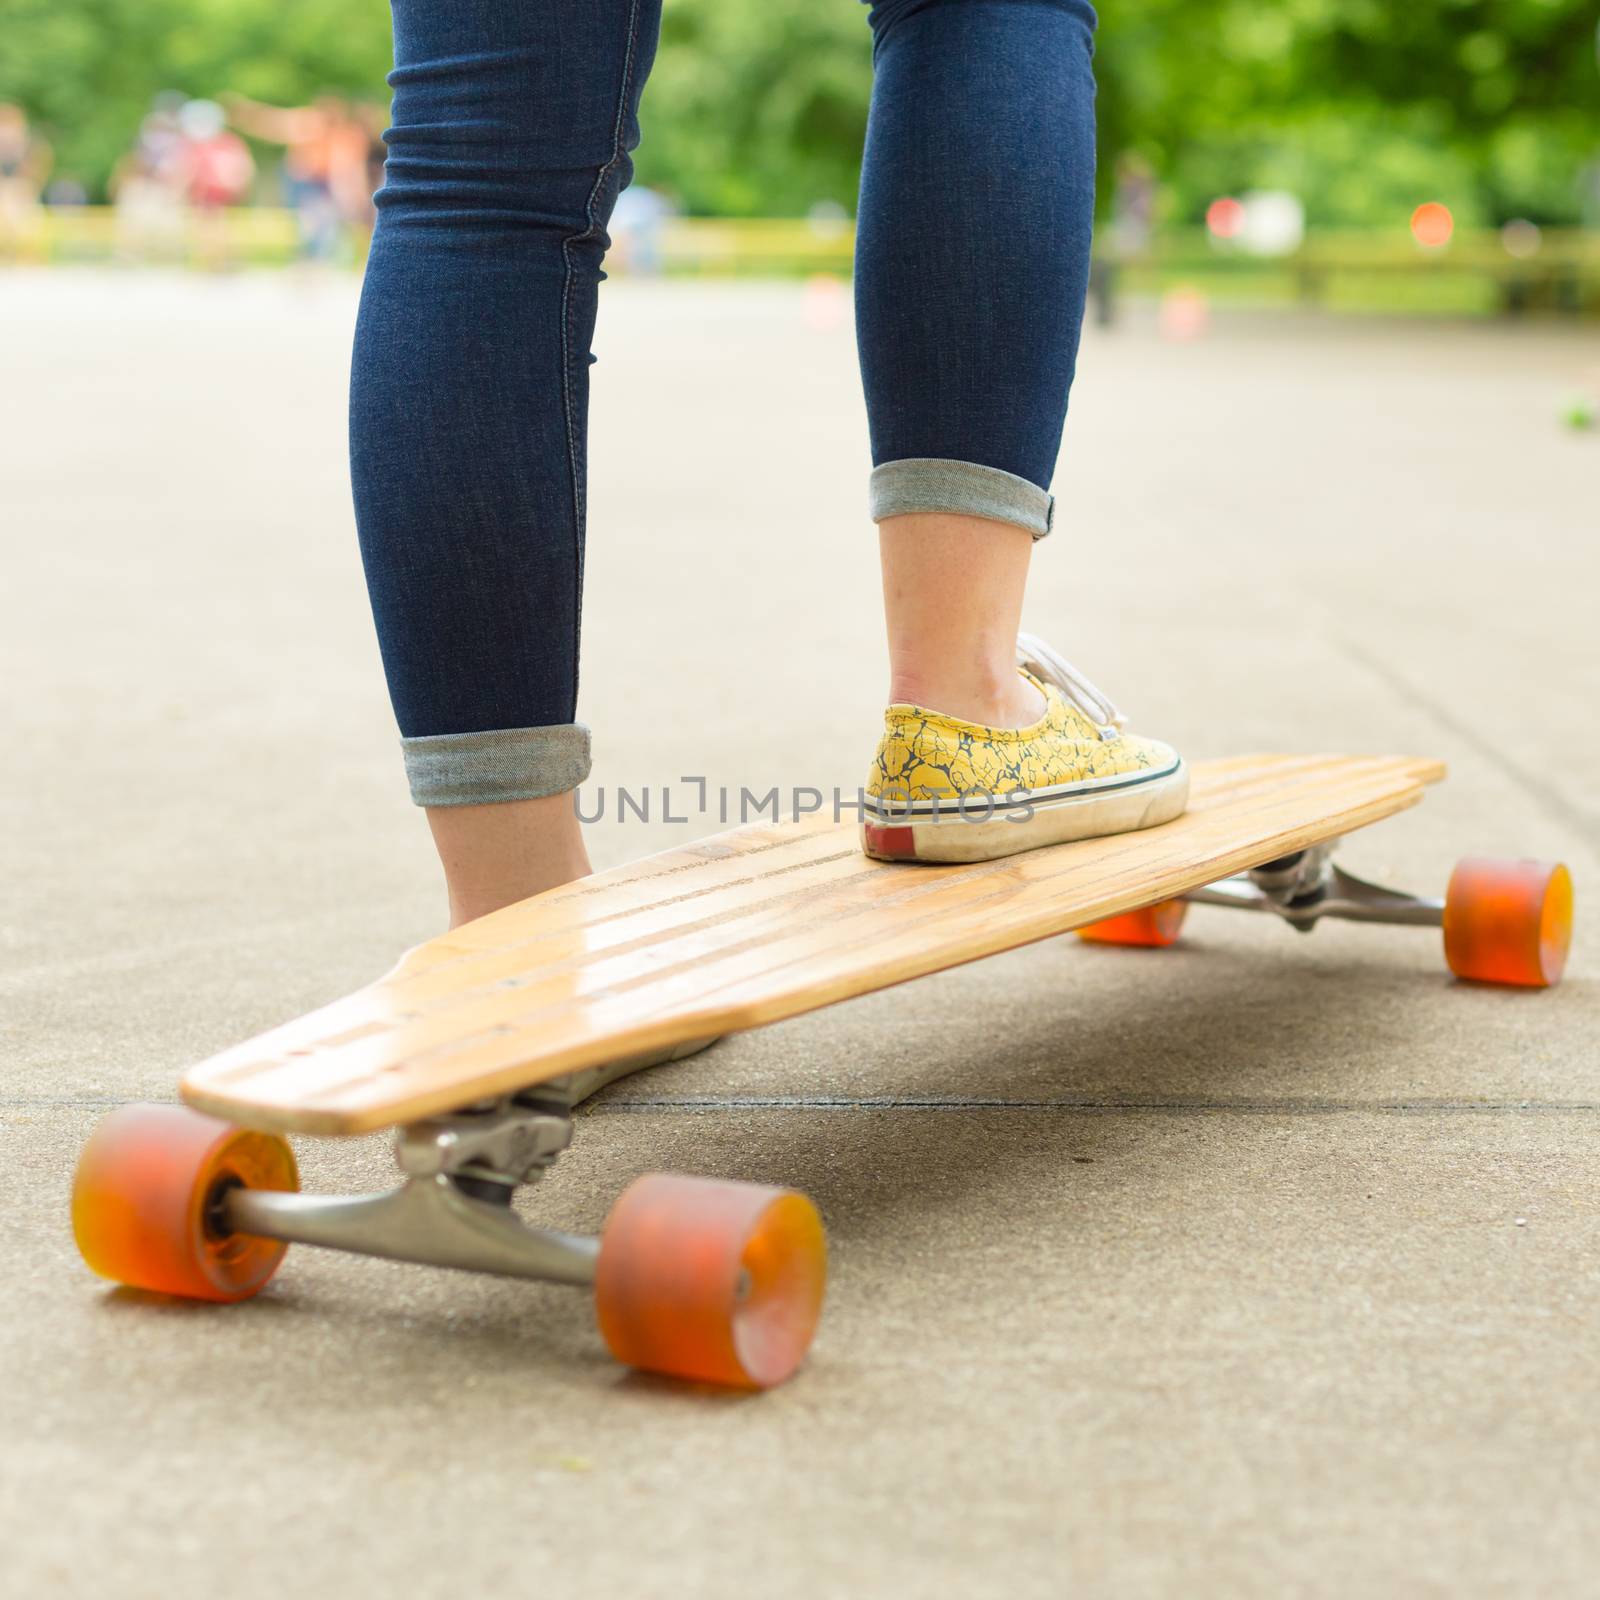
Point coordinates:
[(972, 265), (977, 197), (511, 129)]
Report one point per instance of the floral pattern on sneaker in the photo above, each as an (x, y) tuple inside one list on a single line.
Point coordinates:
[(926, 755)]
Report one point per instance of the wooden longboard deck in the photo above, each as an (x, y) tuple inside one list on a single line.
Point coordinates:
[(741, 929)]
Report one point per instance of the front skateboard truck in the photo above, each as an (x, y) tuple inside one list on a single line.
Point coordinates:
[(713, 1281), (1506, 922)]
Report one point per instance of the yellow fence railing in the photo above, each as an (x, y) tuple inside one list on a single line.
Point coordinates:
[(1474, 272), (58, 235), (1557, 270)]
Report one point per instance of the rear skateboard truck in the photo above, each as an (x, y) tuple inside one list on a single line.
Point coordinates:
[(1506, 922), (713, 1281)]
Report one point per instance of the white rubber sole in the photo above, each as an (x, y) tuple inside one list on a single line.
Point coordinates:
[(1088, 814)]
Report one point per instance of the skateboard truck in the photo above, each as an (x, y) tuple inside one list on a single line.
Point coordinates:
[(1504, 921), (454, 1207), (717, 1282), (1309, 885)]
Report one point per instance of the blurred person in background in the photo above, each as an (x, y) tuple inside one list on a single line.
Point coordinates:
[(25, 162), (218, 170), (326, 165), (149, 186), (509, 143), (1133, 213), (161, 137), (373, 119)]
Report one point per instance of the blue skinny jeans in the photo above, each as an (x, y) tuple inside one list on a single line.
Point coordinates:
[(511, 131)]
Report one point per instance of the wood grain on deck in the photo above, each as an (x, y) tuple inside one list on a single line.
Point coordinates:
[(741, 929)]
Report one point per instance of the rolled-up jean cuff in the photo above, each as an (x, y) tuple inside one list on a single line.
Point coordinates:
[(474, 769), (921, 484)]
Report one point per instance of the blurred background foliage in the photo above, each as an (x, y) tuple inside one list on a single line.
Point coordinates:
[(758, 107)]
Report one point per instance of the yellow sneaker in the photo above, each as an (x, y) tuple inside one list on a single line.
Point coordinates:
[(942, 789)]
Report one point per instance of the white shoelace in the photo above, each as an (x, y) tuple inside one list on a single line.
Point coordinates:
[(1047, 664)]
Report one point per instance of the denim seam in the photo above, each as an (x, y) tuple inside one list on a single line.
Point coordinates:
[(579, 494)]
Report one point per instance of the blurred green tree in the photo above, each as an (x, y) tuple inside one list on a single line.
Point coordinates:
[(759, 106), (1360, 106)]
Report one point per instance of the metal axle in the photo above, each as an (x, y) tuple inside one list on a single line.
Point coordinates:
[(454, 1208), (1309, 885), (427, 1220)]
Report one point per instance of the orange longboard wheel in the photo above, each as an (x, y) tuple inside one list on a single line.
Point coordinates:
[(713, 1281), (1158, 925), (1508, 921), (145, 1202)]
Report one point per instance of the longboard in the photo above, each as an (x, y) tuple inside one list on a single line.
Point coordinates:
[(478, 1045), (742, 929)]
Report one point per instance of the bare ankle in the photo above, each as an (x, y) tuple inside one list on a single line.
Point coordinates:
[(998, 698), (952, 594), (468, 906), (495, 855)]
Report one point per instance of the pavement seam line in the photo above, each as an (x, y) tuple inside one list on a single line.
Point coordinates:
[(1090, 1105)]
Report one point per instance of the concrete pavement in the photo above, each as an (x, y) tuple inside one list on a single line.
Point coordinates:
[(1265, 1265)]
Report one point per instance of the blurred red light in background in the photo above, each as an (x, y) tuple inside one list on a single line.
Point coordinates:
[(1225, 217), (1432, 224)]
